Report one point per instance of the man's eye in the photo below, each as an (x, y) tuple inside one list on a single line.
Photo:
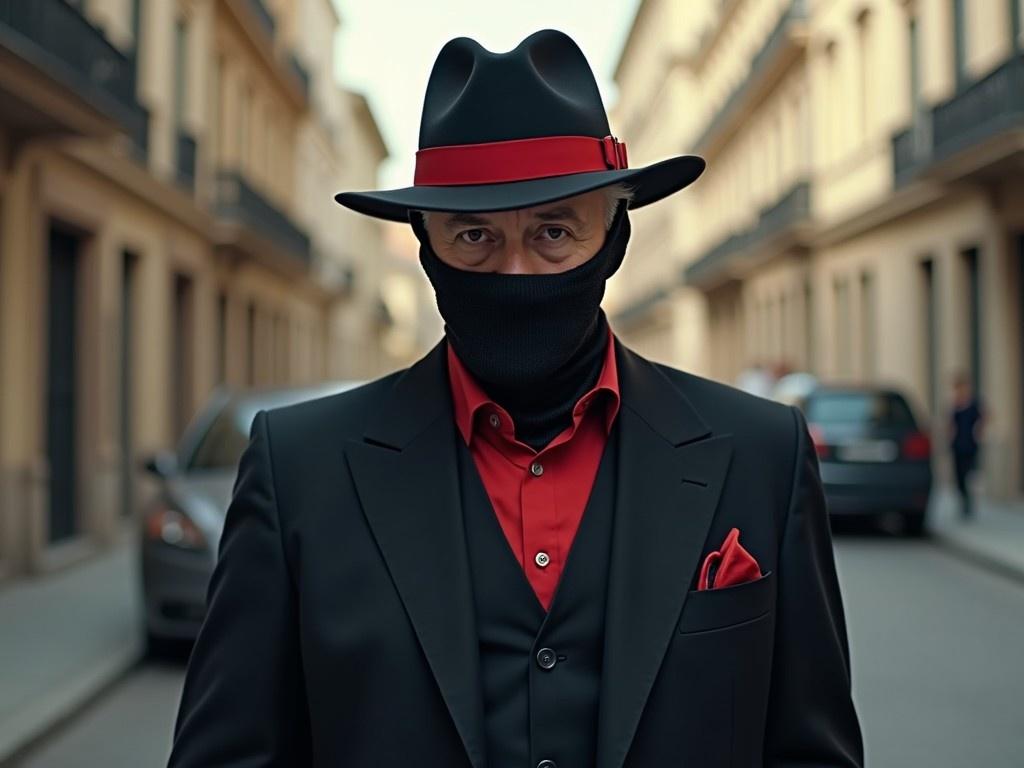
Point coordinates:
[(472, 236), (555, 233)]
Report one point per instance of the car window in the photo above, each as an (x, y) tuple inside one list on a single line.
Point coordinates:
[(880, 409), (223, 443)]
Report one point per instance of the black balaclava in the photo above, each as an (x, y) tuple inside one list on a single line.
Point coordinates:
[(535, 343)]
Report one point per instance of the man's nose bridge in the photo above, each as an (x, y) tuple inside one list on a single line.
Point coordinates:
[(516, 260)]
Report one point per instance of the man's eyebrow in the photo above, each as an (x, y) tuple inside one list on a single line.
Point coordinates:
[(464, 219), (559, 213)]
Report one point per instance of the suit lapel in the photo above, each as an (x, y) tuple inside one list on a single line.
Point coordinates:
[(671, 473), (405, 473)]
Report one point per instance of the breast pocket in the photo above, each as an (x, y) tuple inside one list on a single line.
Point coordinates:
[(718, 609)]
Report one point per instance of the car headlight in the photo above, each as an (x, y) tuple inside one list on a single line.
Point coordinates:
[(173, 527)]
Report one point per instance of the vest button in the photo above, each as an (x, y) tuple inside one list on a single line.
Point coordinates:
[(542, 559), (546, 659), (546, 764), (537, 469)]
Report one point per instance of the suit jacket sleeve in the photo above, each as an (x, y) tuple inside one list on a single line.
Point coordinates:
[(811, 718), (243, 702)]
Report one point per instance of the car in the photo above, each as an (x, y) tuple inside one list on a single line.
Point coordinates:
[(875, 458), (182, 522)]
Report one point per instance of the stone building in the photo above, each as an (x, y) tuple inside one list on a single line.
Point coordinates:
[(166, 227), (862, 215)]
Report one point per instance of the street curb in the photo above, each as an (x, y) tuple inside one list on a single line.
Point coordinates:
[(978, 556), (45, 713)]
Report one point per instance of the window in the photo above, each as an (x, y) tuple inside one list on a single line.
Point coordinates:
[(1015, 14), (864, 85), (180, 72), (960, 43), (868, 339), (915, 67)]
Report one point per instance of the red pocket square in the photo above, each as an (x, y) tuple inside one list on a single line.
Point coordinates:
[(729, 566)]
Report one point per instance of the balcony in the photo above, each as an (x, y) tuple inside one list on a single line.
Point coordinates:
[(778, 225), (59, 74), (976, 118), (254, 224), (257, 23), (640, 309), (778, 50), (186, 160)]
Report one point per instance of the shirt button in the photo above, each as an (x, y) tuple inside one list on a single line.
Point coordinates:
[(542, 559), (547, 764), (495, 420), (537, 469), (546, 658)]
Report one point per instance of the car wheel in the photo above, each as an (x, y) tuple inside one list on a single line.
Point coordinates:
[(914, 523)]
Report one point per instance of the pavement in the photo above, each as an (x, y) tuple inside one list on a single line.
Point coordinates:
[(993, 538), (68, 636), (64, 638)]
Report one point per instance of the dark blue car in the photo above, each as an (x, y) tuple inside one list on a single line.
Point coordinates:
[(875, 458)]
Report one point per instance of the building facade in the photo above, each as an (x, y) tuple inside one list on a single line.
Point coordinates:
[(166, 227), (862, 215)]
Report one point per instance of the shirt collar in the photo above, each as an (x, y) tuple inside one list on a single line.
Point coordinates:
[(468, 397)]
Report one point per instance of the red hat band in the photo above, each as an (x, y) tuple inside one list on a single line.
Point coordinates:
[(517, 160)]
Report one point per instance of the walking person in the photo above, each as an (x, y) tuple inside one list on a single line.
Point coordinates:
[(966, 422)]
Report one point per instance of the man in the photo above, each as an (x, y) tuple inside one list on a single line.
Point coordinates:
[(533, 548), (966, 421)]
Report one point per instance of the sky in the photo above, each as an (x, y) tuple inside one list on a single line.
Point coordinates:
[(386, 49)]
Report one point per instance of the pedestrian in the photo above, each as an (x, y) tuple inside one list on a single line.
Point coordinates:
[(534, 547), (966, 423)]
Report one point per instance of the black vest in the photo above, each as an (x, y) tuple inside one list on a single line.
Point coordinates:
[(540, 671)]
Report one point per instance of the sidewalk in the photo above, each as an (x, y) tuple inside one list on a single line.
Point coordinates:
[(994, 538), (62, 639)]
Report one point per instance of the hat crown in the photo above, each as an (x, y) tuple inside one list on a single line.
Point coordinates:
[(542, 87)]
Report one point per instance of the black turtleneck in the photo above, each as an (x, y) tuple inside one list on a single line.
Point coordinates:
[(540, 413)]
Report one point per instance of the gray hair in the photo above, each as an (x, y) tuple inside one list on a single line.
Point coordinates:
[(613, 194)]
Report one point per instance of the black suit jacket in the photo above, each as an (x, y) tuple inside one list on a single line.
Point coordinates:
[(340, 628)]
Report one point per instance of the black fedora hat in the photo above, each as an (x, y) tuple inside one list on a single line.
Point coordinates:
[(512, 130)]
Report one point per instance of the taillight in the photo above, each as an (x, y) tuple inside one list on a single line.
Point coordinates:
[(822, 448), (173, 527), (917, 445)]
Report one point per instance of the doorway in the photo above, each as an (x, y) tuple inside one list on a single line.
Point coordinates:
[(129, 262), (62, 384), (182, 353)]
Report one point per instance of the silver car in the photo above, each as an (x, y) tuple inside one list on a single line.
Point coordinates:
[(181, 525)]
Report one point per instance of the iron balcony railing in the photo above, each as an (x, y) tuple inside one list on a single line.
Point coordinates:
[(981, 110), (238, 201), (58, 39), (790, 210), (796, 12)]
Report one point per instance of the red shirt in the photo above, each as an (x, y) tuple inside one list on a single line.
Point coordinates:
[(539, 497)]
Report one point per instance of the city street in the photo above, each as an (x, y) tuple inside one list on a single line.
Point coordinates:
[(936, 655)]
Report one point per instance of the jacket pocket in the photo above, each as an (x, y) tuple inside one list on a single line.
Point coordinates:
[(713, 609)]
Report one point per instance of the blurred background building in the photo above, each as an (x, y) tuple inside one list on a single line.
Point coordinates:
[(862, 215), (166, 178)]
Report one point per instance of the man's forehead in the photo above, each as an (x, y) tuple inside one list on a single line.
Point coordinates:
[(561, 210)]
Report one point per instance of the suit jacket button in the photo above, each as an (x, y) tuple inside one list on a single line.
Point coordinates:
[(546, 660), (546, 764)]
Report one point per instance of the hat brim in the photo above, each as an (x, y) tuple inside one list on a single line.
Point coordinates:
[(650, 184)]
